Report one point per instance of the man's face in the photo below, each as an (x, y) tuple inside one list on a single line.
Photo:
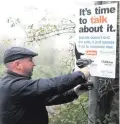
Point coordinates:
[(26, 65)]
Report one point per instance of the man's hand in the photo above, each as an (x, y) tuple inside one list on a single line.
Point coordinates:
[(79, 89), (84, 70)]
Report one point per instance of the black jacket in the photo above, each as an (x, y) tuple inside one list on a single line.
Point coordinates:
[(23, 100)]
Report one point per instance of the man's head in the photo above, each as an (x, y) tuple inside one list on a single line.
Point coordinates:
[(19, 60)]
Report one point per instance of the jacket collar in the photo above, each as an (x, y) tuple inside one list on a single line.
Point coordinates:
[(16, 74)]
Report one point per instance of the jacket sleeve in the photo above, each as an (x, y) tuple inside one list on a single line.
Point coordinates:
[(24, 89), (66, 97)]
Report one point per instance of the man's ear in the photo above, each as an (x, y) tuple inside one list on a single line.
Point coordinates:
[(18, 65)]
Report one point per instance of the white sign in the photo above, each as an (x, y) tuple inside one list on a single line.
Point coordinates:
[(96, 31)]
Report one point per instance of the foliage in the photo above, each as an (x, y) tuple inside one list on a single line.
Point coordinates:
[(2, 70), (47, 71), (36, 33), (57, 66), (72, 113)]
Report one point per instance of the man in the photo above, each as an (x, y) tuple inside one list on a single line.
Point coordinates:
[(22, 99)]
